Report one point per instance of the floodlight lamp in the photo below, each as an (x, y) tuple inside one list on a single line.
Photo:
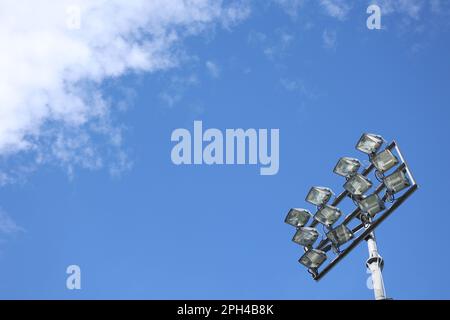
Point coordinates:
[(340, 235), (328, 215), (313, 258), (357, 185), (371, 205), (369, 143), (397, 181), (384, 161), (319, 195), (298, 217), (347, 167), (306, 236)]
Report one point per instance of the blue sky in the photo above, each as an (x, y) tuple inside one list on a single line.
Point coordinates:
[(142, 228)]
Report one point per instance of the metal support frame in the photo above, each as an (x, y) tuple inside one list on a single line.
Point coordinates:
[(364, 235), (368, 233)]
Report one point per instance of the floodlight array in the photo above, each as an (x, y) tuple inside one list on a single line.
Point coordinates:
[(371, 207)]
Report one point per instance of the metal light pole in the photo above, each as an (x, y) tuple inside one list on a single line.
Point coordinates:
[(375, 264), (344, 233)]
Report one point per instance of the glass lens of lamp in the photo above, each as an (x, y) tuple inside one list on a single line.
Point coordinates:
[(340, 235), (384, 161), (306, 236), (397, 181), (369, 143), (347, 167), (371, 205), (298, 217), (328, 215), (319, 195), (313, 259), (357, 185)]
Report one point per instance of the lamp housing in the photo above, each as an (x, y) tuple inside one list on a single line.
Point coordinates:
[(306, 236), (328, 215), (369, 143), (340, 235), (319, 195), (397, 181), (384, 160), (357, 185), (371, 205), (312, 259), (297, 217), (347, 167)]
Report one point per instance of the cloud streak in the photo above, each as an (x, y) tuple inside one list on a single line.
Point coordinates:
[(7, 225), (213, 69), (411, 8), (336, 8), (340, 9), (329, 38)]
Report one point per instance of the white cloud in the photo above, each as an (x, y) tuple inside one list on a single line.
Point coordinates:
[(7, 225), (213, 69), (235, 12), (298, 87), (292, 85), (329, 38), (412, 8), (340, 9), (176, 87), (50, 71), (274, 46), (291, 7), (336, 8)]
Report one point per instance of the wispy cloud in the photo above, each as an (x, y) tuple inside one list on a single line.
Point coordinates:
[(291, 7), (340, 9), (293, 85), (7, 225), (213, 69), (329, 38), (336, 8), (411, 8), (417, 20), (298, 87), (273, 46), (51, 70), (176, 88)]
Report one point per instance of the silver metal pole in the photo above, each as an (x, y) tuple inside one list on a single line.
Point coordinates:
[(375, 264)]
